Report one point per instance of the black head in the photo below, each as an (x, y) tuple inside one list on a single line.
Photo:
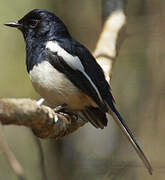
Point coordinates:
[(40, 24)]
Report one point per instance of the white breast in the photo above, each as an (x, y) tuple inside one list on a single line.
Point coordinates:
[(56, 88)]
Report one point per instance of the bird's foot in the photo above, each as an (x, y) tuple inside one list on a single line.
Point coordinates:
[(62, 111), (59, 108), (69, 116)]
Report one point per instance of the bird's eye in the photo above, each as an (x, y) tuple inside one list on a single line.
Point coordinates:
[(33, 23)]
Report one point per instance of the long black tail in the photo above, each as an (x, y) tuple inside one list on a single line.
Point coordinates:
[(127, 132)]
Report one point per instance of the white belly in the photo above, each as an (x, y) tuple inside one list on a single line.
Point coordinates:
[(56, 88)]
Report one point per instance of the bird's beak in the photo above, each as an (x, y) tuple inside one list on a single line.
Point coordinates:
[(13, 24)]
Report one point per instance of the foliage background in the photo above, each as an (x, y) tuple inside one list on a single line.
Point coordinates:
[(138, 85)]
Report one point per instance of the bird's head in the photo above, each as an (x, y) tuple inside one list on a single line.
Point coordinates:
[(40, 24)]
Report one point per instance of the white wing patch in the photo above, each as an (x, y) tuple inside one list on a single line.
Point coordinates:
[(73, 61)]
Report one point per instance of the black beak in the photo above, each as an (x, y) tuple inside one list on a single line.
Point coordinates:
[(13, 24)]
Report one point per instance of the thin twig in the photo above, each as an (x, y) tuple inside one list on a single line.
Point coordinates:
[(41, 156), (16, 166)]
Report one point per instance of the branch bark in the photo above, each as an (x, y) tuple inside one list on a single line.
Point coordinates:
[(110, 40), (40, 119)]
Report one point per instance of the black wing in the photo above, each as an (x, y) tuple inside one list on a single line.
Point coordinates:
[(91, 67)]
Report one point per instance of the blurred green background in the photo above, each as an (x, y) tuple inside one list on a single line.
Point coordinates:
[(138, 85)]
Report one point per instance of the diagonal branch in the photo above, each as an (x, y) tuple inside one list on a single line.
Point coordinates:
[(111, 36)]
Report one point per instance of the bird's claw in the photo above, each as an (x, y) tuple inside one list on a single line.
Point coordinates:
[(61, 111), (59, 108)]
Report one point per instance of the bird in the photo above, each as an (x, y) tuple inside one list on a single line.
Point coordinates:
[(65, 73)]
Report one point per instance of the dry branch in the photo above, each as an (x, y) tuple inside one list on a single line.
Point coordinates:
[(40, 119), (107, 46)]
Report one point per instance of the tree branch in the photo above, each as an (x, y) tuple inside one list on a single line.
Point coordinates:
[(40, 119), (111, 36)]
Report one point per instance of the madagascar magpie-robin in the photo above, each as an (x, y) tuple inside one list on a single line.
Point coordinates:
[(63, 71)]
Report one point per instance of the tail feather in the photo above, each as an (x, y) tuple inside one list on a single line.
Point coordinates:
[(127, 132)]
